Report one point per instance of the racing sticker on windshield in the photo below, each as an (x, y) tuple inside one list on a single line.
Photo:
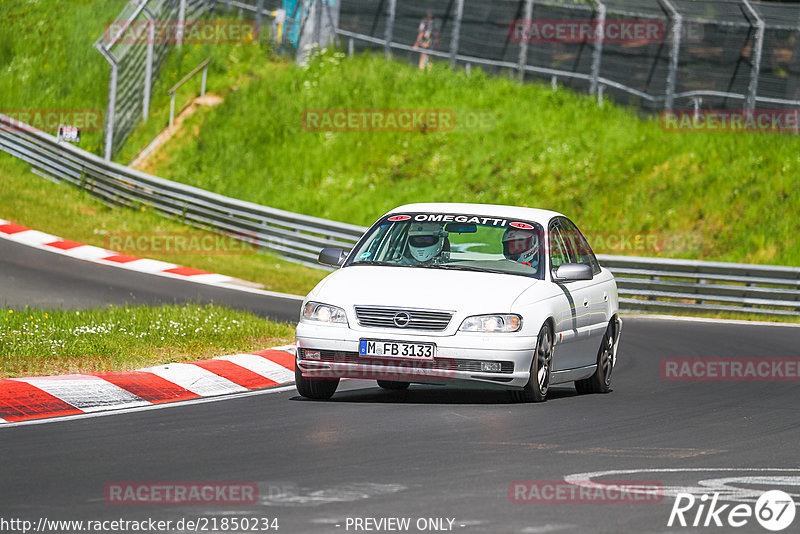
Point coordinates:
[(397, 218), (521, 225), (440, 217)]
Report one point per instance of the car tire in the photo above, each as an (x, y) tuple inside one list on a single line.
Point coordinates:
[(600, 381), (317, 389), (393, 385), (539, 382)]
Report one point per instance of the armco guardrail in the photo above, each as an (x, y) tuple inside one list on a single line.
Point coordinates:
[(645, 283), (297, 237)]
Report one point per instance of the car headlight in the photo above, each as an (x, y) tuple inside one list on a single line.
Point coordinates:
[(324, 313), (492, 323)]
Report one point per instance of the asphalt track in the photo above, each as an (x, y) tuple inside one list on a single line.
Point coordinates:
[(430, 452), (33, 277)]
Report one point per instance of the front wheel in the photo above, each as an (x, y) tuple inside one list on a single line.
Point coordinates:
[(317, 389), (600, 381), (539, 382)]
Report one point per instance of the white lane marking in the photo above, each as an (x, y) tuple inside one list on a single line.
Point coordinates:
[(87, 393), (727, 493), (196, 379), (261, 366), (707, 320), (95, 255), (163, 406)]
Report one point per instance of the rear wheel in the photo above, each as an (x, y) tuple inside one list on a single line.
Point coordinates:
[(539, 382), (600, 381), (393, 385), (318, 389)]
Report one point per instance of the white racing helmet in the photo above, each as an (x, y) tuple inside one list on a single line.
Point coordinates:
[(521, 246), (425, 241)]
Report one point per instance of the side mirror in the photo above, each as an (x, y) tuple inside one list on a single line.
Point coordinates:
[(570, 272), (332, 256)]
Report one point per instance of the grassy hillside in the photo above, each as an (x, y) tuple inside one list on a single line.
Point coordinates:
[(731, 197), (47, 59)]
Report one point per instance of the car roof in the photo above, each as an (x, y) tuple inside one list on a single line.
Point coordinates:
[(541, 216)]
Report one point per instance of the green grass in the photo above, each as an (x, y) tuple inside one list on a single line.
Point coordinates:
[(67, 212), (47, 342), (727, 197), (47, 58)]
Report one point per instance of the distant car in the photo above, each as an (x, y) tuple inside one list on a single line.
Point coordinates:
[(462, 294)]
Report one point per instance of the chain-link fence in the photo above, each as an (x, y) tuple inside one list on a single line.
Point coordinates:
[(715, 54), (135, 45)]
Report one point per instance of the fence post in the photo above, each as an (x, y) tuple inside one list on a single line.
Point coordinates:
[(672, 75), (317, 36), (387, 51), (456, 33), (598, 46), (181, 22), (259, 9), (523, 47), (755, 70), (148, 68), (108, 135)]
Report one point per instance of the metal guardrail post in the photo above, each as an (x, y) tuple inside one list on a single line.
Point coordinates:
[(672, 74), (457, 32), (387, 50), (597, 54), (755, 71), (203, 83), (317, 7), (523, 47), (148, 67)]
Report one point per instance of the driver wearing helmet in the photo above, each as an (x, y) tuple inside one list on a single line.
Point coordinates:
[(425, 244), (522, 246)]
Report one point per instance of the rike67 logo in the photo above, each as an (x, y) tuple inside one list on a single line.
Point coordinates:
[(774, 510)]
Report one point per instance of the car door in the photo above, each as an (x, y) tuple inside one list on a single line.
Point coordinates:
[(597, 291), (572, 320)]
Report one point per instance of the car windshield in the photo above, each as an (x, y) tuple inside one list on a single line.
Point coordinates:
[(455, 241)]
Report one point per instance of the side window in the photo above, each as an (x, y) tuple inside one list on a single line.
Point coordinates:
[(558, 249), (580, 250)]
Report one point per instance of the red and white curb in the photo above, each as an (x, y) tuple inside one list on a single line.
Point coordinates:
[(34, 238), (23, 399)]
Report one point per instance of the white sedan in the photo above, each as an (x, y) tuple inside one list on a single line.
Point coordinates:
[(473, 294)]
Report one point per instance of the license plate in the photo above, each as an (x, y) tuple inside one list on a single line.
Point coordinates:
[(397, 349)]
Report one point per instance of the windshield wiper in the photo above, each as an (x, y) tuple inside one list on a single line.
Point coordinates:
[(452, 267), (374, 262)]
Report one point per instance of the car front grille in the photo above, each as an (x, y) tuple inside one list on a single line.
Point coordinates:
[(379, 317), (450, 364)]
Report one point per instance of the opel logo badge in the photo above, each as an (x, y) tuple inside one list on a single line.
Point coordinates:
[(402, 319)]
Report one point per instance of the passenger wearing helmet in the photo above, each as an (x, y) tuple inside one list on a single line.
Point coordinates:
[(425, 243), (522, 246)]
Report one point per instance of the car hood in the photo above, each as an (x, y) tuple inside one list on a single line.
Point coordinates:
[(468, 292)]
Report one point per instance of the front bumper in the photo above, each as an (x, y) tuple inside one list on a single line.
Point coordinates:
[(458, 357)]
